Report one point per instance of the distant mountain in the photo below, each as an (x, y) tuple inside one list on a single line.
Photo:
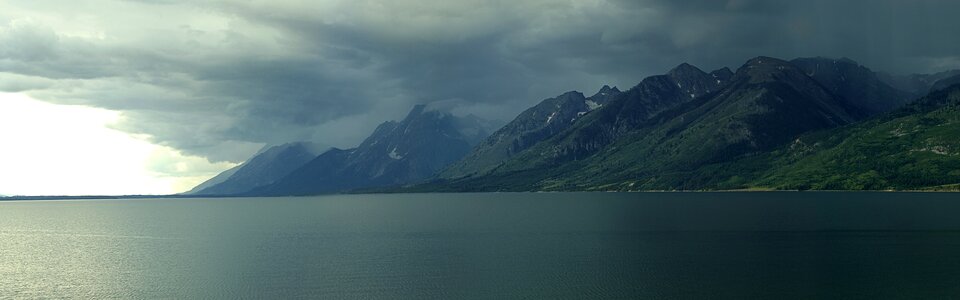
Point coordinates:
[(395, 153), (945, 83), (263, 169), (859, 85), (916, 84), (223, 176)]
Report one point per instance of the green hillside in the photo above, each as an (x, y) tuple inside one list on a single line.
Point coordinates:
[(917, 147)]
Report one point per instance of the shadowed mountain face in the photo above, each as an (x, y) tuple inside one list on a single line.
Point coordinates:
[(945, 83), (396, 153), (264, 168), (860, 86)]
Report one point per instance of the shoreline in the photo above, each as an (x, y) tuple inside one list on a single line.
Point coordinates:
[(180, 196)]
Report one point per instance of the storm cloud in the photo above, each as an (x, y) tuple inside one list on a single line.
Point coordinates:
[(219, 79)]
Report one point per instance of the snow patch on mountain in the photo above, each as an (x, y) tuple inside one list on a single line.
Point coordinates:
[(592, 105), (393, 154)]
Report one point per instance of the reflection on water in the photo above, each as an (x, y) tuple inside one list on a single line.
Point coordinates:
[(559, 245)]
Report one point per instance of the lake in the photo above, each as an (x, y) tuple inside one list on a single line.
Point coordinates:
[(494, 245)]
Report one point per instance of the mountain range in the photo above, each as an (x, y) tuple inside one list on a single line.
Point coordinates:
[(396, 153), (807, 123)]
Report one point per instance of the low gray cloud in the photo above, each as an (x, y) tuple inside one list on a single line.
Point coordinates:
[(220, 78)]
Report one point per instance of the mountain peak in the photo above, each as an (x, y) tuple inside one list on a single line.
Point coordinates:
[(722, 73), (848, 60), (691, 82), (825, 61), (571, 94), (766, 61), (766, 69), (606, 90), (424, 111), (685, 70), (417, 110)]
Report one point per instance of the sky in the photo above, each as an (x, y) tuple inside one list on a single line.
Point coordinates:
[(154, 96)]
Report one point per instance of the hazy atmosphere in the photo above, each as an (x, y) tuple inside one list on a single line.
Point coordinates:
[(153, 97)]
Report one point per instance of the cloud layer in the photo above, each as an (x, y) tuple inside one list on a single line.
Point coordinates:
[(220, 78)]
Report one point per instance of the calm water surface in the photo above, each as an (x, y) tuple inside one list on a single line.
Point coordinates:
[(450, 246)]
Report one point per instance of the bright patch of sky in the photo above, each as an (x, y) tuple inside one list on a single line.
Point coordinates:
[(49, 149)]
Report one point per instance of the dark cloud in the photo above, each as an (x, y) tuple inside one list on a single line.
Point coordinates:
[(890, 35), (220, 78)]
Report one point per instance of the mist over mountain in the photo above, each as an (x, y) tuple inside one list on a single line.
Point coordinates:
[(219, 178), (396, 153), (535, 124), (945, 83), (861, 86), (917, 84), (264, 168)]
